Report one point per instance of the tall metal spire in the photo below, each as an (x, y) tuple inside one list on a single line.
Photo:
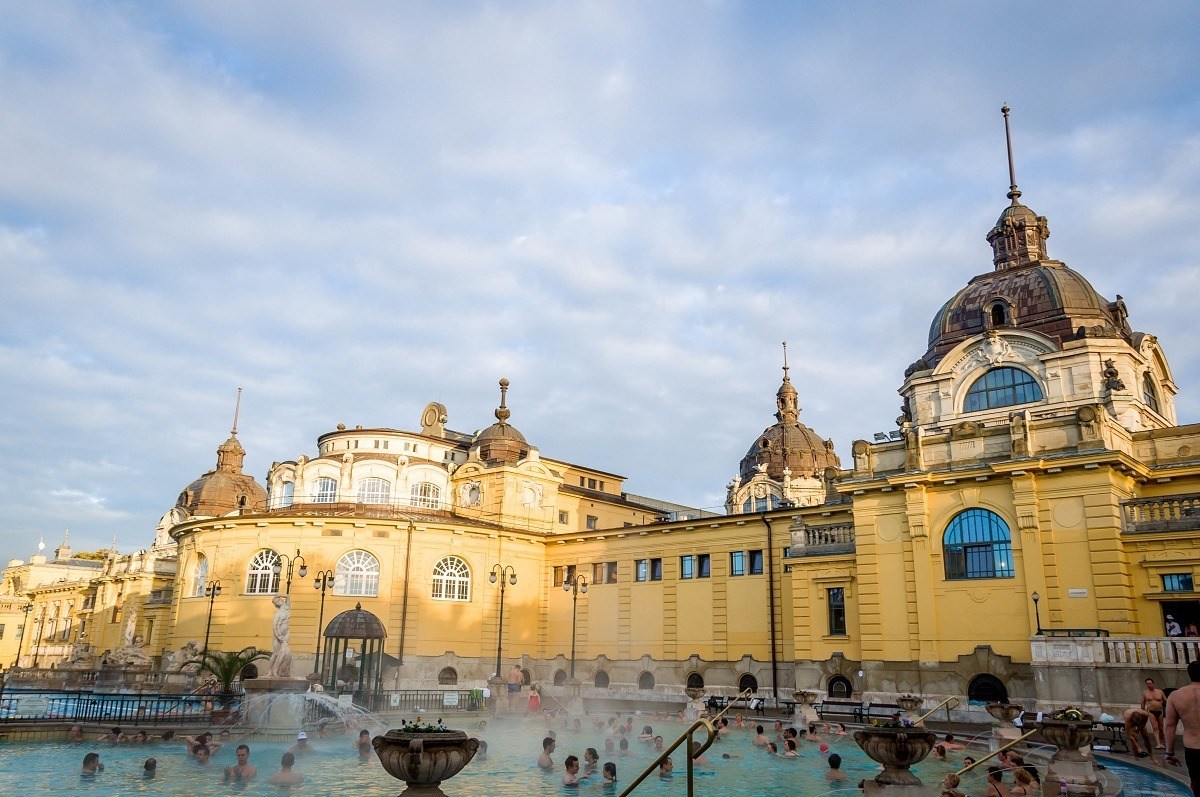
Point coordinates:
[(502, 412), (236, 409), (785, 365), (1013, 192)]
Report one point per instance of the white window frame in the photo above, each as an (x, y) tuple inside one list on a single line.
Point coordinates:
[(200, 576), (357, 574), (261, 576), (452, 580), (374, 490), (425, 494), (324, 490)]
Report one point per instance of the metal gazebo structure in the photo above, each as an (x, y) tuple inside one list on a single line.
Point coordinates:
[(341, 670)]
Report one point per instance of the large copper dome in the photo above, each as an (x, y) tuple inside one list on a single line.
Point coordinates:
[(226, 489), (788, 444)]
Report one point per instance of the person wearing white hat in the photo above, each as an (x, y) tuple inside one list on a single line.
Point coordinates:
[(301, 747), (1173, 628)]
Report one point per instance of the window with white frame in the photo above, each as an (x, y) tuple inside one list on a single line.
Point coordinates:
[(287, 493), (426, 494), (262, 577), (200, 575), (452, 580), (374, 491), (324, 490), (357, 574)]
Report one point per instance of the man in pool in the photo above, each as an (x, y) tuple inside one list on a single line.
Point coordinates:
[(149, 769), (114, 735), (834, 773), (544, 759), (667, 768), (760, 739), (301, 747), (285, 777), (91, 765), (202, 755), (1184, 706), (243, 771), (515, 679), (363, 745), (572, 777), (75, 734)]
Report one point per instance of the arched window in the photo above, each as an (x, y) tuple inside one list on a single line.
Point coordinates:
[(426, 494), (977, 544), (560, 677), (987, 688), (287, 493), (1001, 387), (601, 679), (747, 682), (324, 490), (357, 573), (248, 673), (200, 575), (695, 681), (646, 681), (839, 687), (999, 312), (452, 580), (1150, 391), (526, 677), (448, 677), (374, 491), (262, 577)]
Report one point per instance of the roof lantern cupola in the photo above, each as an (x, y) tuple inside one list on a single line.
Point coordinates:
[(501, 443), (230, 454), (787, 399), (1019, 237)]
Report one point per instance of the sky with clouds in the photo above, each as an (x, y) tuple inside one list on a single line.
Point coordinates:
[(352, 209)]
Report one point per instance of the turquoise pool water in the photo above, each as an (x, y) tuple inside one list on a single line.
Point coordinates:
[(37, 769)]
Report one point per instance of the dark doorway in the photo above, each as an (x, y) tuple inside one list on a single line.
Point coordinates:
[(839, 687), (986, 689), (1184, 613)]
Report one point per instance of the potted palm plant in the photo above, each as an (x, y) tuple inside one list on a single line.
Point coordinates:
[(225, 667)]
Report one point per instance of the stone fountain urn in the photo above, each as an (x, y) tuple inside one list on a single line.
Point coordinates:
[(423, 759), (1004, 714), (805, 700), (1069, 768), (897, 749)]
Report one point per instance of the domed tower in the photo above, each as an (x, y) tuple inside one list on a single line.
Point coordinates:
[(226, 490), (500, 443), (787, 463), (1033, 334)]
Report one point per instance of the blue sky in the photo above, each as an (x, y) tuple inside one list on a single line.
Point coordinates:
[(354, 209)]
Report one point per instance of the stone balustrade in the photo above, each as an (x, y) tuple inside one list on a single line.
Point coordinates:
[(1165, 513), (1169, 652), (823, 540)]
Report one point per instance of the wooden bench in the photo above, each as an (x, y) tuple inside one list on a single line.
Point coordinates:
[(840, 710), (881, 711)]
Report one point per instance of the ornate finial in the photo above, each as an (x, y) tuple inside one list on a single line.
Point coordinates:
[(502, 413), (785, 365), (236, 409), (1013, 192), (358, 606), (66, 536), (41, 544)]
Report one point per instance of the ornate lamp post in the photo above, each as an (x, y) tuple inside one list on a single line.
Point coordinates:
[(575, 586), (27, 608), (506, 574), (1037, 615), (37, 640), (211, 590), (292, 561), (323, 581)]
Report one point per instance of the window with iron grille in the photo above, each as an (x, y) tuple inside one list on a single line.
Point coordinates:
[(978, 544)]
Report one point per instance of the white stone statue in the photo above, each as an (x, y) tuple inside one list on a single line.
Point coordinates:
[(178, 661), (130, 629), (131, 654), (280, 663)]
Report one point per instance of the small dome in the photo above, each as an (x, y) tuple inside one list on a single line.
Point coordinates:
[(224, 490), (500, 443), (355, 624), (788, 443)]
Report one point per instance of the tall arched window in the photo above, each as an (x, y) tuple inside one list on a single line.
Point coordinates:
[(374, 491), (448, 677), (199, 575), (324, 490), (646, 681), (977, 544), (426, 494), (601, 679), (560, 677), (747, 683), (695, 681), (357, 573), (1150, 391), (452, 580), (262, 577), (1001, 387), (287, 493)]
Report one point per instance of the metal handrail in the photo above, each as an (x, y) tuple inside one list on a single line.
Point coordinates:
[(927, 714), (995, 753), (686, 736)]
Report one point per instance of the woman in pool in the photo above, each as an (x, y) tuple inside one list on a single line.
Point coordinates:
[(591, 757), (610, 773), (535, 701), (647, 734), (789, 749)]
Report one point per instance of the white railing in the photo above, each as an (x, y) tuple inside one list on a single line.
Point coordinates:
[(1168, 652)]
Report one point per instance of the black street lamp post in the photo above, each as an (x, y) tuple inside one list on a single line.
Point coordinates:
[(37, 640), (323, 581), (27, 608), (574, 585), (1036, 614), (506, 574), (211, 590), (292, 561)]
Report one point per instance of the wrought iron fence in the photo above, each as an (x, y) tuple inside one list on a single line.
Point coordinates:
[(26, 706), (422, 700)]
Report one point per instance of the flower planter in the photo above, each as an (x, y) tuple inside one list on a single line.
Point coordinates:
[(1004, 712), (897, 749), (424, 759), (1068, 736), (909, 703)]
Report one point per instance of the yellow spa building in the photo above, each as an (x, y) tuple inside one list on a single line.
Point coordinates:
[(1029, 529)]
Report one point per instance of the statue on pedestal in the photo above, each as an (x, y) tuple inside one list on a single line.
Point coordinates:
[(280, 663)]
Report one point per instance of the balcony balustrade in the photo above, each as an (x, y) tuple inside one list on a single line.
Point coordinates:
[(1165, 513)]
